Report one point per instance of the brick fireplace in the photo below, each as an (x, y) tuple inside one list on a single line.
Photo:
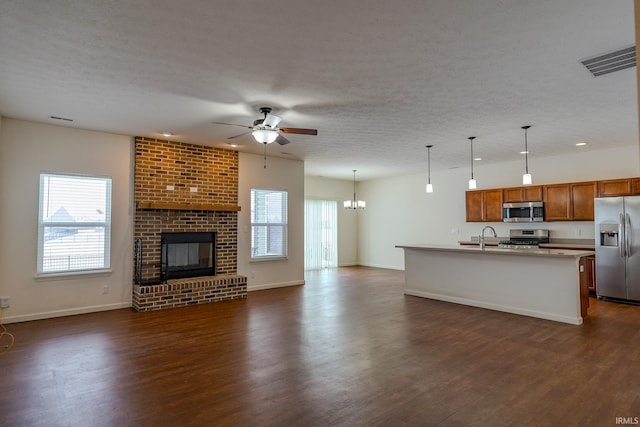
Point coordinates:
[(183, 187)]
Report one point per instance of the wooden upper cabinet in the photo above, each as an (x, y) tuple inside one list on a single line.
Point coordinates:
[(484, 205), (570, 202), (582, 198), (512, 195), (474, 206), (615, 187), (557, 202), (493, 205), (522, 194), (532, 193), (635, 186)]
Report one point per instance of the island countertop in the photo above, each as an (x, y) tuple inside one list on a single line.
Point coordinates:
[(541, 252), (544, 283)]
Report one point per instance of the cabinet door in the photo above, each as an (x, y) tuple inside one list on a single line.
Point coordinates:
[(582, 197), (493, 205), (615, 187), (591, 273), (512, 195), (635, 186), (557, 202), (474, 206), (532, 194)]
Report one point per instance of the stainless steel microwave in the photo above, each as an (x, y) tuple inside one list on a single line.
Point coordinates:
[(523, 212)]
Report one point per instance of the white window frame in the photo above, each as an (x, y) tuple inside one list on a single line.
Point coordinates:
[(105, 224), (280, 226)]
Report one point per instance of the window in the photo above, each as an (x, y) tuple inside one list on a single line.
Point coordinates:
[(74, 223), (320, 234), (268, 224)]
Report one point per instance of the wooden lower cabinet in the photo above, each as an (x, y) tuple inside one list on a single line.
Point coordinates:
[(591, 274)]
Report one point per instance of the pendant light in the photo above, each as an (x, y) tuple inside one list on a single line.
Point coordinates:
[(526, 178), (472, 182), (355, 203), (429, 186)]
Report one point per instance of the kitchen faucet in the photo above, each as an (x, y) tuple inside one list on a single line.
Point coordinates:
[(482, 235)]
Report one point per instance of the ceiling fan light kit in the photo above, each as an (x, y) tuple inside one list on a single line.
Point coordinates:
[(265, 130), (265, 136)]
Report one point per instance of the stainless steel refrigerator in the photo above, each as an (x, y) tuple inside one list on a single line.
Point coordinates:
[(617, 243)]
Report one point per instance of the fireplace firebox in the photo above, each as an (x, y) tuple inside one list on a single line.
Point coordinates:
[(187, 254)]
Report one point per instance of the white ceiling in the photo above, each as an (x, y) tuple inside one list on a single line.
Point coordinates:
[(379, 80)]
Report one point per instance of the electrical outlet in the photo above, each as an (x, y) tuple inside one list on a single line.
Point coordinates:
[(4, 302)]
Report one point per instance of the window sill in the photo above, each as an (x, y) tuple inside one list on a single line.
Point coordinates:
[(268, 259), (72, 275)]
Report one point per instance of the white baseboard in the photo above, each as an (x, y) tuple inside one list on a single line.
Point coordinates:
[(494, 306), (388, 267), (61, 313), (274, 285)]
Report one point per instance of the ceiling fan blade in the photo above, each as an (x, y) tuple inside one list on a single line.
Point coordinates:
[(239, 135), (300, 131), (282, 140), (232, 124), (271, 121)]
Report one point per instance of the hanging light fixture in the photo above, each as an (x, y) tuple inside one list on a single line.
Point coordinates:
[(526, 178), (429, 186), (355, 203), (472, 182)]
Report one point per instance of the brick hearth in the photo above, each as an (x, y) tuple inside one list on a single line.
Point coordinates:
[(182, 292)]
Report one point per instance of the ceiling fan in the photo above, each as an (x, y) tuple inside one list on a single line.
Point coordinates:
[(266, 130)]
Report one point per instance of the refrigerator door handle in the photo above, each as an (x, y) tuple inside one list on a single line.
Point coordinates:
[(621, 232), (627, 235)]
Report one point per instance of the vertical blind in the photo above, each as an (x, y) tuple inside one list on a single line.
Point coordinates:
[(320, 234), (74, 223)]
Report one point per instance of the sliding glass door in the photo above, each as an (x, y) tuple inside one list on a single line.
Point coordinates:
[(320, 234)]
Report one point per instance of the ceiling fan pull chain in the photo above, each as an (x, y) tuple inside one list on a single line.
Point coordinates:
[(265, 155)]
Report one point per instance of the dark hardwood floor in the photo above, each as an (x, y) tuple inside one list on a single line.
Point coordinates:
[(346, 349)]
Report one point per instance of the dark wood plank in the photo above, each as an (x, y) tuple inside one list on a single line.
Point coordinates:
[(348, 348)]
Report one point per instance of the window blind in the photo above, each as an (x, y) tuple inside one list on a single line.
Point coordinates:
[(268, 224), (320, 234), (74, 223)]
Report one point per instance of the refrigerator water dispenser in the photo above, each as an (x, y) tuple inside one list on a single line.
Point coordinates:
[(609, 235)]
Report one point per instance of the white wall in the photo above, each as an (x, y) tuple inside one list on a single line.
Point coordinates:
[(26, 149), (316, 188), (400, 212), (280, 174)]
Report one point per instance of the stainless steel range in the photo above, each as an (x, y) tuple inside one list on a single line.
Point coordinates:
[(525, 239)]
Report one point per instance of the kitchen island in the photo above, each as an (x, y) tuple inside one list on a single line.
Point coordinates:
[(545, 283)]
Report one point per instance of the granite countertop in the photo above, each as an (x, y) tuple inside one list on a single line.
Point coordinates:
[(489, 249)]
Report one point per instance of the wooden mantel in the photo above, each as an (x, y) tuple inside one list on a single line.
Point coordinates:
[(187, 206)]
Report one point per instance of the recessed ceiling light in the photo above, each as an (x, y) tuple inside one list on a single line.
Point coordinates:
[(477, 159), (524, 152), (167, 134), (234, 145), (580, 144)]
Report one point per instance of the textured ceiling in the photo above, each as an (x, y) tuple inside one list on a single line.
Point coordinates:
[(379, 80)]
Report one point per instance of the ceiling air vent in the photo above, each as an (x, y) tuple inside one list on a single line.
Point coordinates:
[(610, 62)]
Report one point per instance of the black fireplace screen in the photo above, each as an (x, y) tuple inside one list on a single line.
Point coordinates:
[(188, 254)]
